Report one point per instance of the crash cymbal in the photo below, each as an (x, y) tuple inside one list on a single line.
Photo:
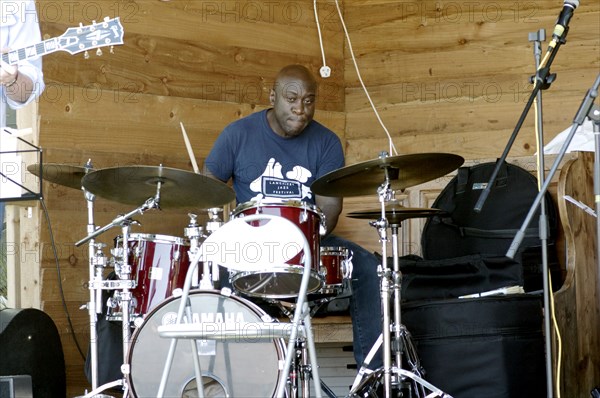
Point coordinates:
[(133, 185), (404, 171), (395, 213), (61, 174)]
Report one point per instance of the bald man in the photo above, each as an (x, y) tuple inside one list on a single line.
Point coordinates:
[(273, 156)]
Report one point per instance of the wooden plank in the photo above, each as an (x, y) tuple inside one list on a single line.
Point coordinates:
[(113, 122), (440, 25), (260, 24)]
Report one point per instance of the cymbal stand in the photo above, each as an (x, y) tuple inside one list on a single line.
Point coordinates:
[(96, 263), (97, 284), (391, 282)]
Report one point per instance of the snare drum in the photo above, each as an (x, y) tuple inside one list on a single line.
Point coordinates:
[(158, 266), (284, 281), (230, 368), (336, 267)]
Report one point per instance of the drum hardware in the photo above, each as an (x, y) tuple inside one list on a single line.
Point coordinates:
[(210, 272), (215, 222), (381, 175), (123, 270)]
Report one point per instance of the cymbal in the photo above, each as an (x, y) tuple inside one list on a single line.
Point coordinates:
[(133, 185), (61, 174), (404, 171), (395, 213)]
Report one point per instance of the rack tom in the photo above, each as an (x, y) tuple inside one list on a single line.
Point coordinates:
[(276, 281)]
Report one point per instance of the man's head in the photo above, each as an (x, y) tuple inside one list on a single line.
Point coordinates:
[(293, 99)]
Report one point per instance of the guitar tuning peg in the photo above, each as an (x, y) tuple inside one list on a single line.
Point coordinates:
[(80, 28), (86, 55), (112, 49), (99, 52)]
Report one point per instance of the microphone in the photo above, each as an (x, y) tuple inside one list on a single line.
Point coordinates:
[(562, 23)]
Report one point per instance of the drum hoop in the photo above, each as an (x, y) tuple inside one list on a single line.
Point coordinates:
[(156, 238), (283, 203)]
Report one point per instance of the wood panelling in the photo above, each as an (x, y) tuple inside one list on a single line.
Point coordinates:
[(453, 76), (577, 303), (445, 77)]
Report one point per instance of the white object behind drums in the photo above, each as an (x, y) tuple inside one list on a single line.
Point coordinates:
[(239, 246)]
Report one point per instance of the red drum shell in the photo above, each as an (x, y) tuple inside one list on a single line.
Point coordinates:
[(332, 259), (159, 264), (277, 281)]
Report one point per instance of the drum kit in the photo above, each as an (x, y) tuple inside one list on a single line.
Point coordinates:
[(150, 270)]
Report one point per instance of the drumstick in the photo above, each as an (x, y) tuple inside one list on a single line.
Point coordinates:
[(189, 149)]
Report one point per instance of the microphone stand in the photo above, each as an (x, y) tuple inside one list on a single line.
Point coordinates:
[(537, 38), (585, 110), (542, 81)]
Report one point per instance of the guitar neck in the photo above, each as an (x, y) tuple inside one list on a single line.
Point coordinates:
[(30, 52)]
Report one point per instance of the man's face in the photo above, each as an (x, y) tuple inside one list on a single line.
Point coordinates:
[(293, 100)]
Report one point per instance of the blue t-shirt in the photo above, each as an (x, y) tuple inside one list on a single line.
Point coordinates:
[(264, 165)]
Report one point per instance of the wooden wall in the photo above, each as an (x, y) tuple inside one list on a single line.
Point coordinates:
[(445, 76)]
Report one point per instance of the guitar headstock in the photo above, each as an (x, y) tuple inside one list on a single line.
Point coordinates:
[(82, 38)]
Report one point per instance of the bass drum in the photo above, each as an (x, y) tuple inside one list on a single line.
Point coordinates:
[(237, 368)]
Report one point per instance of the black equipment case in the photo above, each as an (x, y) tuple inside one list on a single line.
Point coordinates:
[(489, 233), (490, 347)]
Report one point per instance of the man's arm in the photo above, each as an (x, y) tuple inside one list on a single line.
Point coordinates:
[(331, 207)]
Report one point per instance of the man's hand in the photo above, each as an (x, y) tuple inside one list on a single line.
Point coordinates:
[(8, 73)]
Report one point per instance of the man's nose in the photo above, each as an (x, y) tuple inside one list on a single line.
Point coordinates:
[(298, 108)]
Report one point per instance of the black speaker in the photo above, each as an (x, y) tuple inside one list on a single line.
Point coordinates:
[(30, 345)]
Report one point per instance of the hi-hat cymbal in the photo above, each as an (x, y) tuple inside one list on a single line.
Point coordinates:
[(396, 213), (61, 174), (403, 171), (133, 185)]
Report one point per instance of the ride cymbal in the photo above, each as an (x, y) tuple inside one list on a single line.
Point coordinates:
[(402, 172), (61, 174), (133, 185)]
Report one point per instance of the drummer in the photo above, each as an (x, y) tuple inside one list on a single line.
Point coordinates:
[(277, 154)]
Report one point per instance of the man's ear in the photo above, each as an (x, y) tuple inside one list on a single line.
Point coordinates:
[(272, 97)]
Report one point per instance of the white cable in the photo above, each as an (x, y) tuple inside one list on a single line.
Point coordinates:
[(325, 70), (393, 150)]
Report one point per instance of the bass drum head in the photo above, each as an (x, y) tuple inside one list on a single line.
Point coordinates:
[(237, 368)]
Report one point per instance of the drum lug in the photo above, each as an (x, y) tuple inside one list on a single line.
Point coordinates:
[(303, 216), (347, 266)]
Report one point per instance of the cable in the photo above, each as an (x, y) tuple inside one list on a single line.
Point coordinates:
[(558, 339), (325, 70), (392, 149), (60, 286)]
